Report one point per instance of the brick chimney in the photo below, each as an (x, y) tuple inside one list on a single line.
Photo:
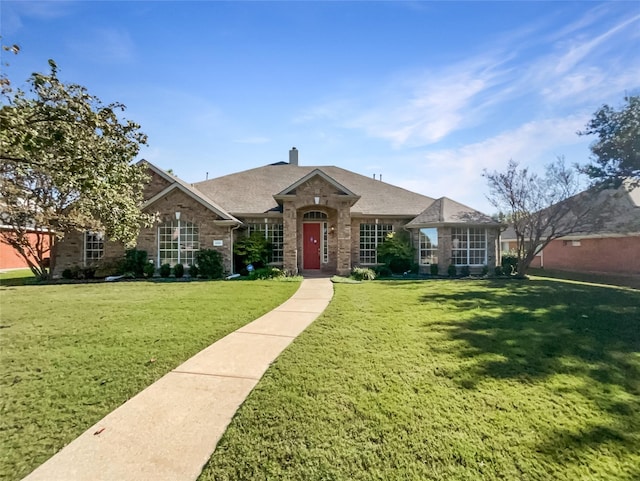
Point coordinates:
[(293, 156)]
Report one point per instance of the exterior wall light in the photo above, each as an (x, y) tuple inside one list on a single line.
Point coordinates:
[(177, 215)]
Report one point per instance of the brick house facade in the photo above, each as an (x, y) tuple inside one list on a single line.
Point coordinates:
[(323, 219)]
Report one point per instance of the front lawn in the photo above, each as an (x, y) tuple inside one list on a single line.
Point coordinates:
[(70, 354), (449, 380)]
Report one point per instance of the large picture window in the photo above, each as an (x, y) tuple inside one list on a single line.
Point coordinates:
[(274, 233), (469, 246), (93, 247), (371, 236), (428, 239), (178, 242)]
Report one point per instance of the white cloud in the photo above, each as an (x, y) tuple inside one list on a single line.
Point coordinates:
[(457, 173), (110, 45)]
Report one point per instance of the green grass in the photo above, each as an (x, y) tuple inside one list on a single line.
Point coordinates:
[(16, 277), (73, 353), (449, 380)]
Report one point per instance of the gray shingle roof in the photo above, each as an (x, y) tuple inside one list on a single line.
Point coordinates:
[(616, 212), (446, 211), (252, 191)]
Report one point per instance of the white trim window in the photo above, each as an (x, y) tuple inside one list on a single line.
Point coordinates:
[(93, 247), (468, 246), (178, 242), (371, 236), (274, 233), (428, 246)]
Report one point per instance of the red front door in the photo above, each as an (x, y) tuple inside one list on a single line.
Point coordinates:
[(311, 246)]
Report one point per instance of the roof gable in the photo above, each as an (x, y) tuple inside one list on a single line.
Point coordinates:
[(446, 211), (179, 184), (342, 190)]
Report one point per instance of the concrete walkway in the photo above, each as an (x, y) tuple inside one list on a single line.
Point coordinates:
[(169, 430)]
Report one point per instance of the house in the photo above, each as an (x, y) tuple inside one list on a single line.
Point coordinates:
[(9, 257), (610, 246), (317, 218)]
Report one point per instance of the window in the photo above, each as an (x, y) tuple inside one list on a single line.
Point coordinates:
[(93, 247), (428, 239), (469, 246), (372, 235), (314, 214), (274, 233), (178, 241)]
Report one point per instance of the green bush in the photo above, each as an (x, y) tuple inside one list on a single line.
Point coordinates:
[(79, 272), (383, 271), (397, 252), (509, 263), (193, 271), (485, 270), (415, 268), (266, 273), (452, 271), (209, 263), (465, 271), (498, 271), (149, 270), (134, 262), (254, 249), (433, 269), (165, 270), (363, 274), (178, 271)]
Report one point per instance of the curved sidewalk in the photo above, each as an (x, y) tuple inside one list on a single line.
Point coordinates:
[(169, 430)]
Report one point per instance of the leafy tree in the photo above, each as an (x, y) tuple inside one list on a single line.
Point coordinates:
[(397, 252), (616, 152), (253, 249), (541, 208), (65, 166)]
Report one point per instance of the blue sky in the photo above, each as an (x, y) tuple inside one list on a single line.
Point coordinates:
[(428, 94)]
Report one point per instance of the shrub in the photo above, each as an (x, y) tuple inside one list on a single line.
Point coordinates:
[(415, 268), (509, 263), (134, 262), (465, 271), (193, 271), (266, 273), (254, 249), (165, 270), (363, 274), (498, 271), (108, 268), (67, 273), (397, 252), (485, 270), (149, 270), (383, 271), (209, 263), (452, 271), (178, 271), (433, 269)]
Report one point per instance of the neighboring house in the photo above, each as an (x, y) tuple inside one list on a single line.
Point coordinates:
[(322, 218), (611, 246), (9, 257)]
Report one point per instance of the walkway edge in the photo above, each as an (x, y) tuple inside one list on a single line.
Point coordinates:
[(169, 430)]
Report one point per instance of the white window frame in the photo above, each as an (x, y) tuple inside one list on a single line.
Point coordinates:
[(182, 245), (274, 233), (427, 250), (93, 247), (467, 245), (374, 235)]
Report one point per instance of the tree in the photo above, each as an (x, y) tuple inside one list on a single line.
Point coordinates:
[(616, 153), (397, 252), (541, 208), (66, 164)]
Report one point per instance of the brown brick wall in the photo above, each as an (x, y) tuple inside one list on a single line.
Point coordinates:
[(614, 255), (190, 211), (156, 184)]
